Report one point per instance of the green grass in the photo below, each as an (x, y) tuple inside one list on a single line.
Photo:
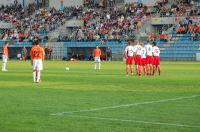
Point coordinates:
[(27, 107)]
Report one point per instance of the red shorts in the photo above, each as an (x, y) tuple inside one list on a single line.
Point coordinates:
[(129, 60), (143, 62), (134, 58), (149, 60), (156, 60), (138, 60)]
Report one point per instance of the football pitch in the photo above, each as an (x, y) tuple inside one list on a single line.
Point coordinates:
[(82, 99)]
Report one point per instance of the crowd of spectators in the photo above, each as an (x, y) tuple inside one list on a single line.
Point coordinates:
[(108, 23), (102, 21), (29, 22), (190, 27), (161, 37), (178, 9)]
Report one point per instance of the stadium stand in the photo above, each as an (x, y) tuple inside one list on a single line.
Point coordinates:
[(108, 24)]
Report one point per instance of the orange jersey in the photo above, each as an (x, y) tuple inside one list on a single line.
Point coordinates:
[(5, 50), (37, 52), (97, 53)]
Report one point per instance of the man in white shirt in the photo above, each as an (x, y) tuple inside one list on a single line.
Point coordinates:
[(138, 53), (156, 58), (149, 58), (128, 54), (143, 60)]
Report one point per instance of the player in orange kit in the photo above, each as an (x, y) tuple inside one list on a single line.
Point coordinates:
[(37, 60), (96, 55), (4, 56)]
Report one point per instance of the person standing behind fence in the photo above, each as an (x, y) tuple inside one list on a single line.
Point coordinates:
[(37, 60), (96, 55), (24, 53), (108, 54), (4, 57), (50, 50)]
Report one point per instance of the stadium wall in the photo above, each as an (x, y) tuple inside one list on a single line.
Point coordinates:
[(180, 50), (23, 2), (57, 3)]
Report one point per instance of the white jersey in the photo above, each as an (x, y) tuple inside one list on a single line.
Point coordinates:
[(156, 51), (149, 49), (138, 50), (129, 50), (143, 53)]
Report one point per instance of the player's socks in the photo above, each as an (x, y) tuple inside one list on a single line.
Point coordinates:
[(153, 72), (132, 73), (159, 70), (34, 76), (150, 71), (139, 70), (99, 66), (38, 76), (95, 66), (126, 71), (145, 73), (4, 67)]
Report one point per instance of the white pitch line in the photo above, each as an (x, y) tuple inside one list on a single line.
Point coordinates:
[(136, 121), (124, 105)]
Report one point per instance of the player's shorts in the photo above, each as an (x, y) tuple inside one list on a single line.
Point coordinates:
[(134, 58), (138, 60), (129, 60), (97, 59), (156, 60), (149, 60), (4, 59), (37, 64), (143, 61)]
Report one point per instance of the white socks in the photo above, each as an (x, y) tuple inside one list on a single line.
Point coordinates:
[(99, 66), (4, 66), (34, 76), (38, 76), (95, 66)]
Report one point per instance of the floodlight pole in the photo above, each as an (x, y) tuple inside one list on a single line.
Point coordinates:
[(23, 3)]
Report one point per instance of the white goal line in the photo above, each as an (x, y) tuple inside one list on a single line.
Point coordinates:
[(136, 121), (123, 105)]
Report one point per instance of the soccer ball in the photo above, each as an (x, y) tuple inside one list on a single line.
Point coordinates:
[(67, 68)]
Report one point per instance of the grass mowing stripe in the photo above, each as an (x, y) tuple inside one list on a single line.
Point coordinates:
[(136, 121), (124, 105)]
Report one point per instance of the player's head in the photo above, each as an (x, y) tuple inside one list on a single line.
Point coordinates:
[(97, 46), (154, 43), (129, 42), (147, 41), (7, 43), (141, 43), (36, 42), (33, 43), (137, 42)]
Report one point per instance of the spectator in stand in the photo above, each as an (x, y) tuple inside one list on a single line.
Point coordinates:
[(108, 54)]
